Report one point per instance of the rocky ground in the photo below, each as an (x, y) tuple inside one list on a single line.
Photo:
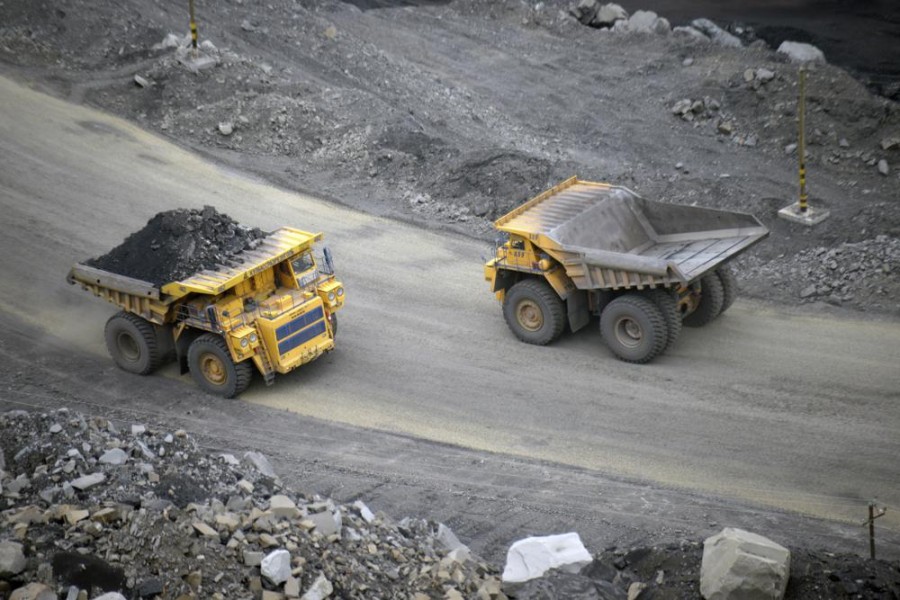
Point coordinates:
[(178, 243), (91, 507), (449, 114)]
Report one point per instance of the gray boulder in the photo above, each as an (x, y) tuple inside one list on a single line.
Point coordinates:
[(609, 14), (88, 481), (691, 34), (799, 52), (319, 590), (740, 564), (12, 559), (327, 522), (662, 26), (585, 11), (116, 456), (259, 462), (716, 34), (643, 21)]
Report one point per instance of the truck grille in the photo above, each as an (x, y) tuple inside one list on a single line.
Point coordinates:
[(300, 330)]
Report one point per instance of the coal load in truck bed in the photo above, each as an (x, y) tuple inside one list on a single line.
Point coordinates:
[(178, 243)]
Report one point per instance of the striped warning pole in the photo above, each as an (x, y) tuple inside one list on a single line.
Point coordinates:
[(193, 25), (801, 145)]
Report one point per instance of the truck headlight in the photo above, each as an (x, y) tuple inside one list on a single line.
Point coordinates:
[(340, 292), (331, 296), (253, 338), (244, 342)]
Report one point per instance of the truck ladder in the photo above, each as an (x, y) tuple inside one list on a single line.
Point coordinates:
[(268, 369)]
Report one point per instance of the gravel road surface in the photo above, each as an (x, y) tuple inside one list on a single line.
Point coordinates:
[(768, 407)]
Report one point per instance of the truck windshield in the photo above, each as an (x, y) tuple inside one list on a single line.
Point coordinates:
[(304, 269)]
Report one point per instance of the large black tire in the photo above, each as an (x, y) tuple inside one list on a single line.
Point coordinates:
[(534, 312), (334, 325), (634, 328), (729, 287), (213, 369), (132, 343), (712, 297), (667, 303)]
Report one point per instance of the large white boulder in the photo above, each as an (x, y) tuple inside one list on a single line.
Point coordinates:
[(12, 559), (276, 566), (532, 557), (739, 565), (799, 52)]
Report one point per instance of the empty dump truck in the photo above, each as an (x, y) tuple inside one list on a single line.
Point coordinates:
[(275, 311), (584, 248)]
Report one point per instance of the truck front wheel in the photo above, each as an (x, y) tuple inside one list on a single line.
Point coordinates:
[(132, 343), (332, 318), (213, 369), (634, 328), (534, 312)]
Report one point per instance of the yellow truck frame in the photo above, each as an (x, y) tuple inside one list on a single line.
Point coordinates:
[(275, 311), (585, 248)]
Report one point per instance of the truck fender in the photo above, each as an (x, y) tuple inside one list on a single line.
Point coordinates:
[(185, 335), (560, 282), (504, 279), (165, 341), (578, 310)]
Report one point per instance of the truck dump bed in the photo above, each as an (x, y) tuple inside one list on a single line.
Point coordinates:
[(152, 302), (608, 237)]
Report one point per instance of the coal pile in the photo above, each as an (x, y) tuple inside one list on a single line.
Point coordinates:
[(88, 509), (176, 244)]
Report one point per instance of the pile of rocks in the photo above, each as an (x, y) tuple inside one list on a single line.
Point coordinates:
[(176, 244), (88, 509), (614, 17), (699, 109), (853, 273)]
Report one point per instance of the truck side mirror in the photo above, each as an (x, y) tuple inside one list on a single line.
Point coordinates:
[(329, 262)]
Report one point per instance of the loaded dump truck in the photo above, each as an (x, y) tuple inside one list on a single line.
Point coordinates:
[(583, 249), (272, 308)]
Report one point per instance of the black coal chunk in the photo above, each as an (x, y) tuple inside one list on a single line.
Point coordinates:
[(178, 243)]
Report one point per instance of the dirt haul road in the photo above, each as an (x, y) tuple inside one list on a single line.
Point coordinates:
[(766, 406)]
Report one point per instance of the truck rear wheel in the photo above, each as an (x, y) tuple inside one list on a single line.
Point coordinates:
[(213, 369), (534, 312), (729, 287), (634, 328), (132, 343), (710, 306), (667, 303)]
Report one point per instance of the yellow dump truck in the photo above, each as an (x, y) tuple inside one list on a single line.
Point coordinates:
[(584, 248), (275, 310)]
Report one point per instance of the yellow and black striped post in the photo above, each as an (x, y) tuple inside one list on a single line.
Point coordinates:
[(193, 25), (801, 145)]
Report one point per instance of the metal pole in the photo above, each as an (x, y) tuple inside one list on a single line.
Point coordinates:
[(193, 25), (872, 530), (801, 146)]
